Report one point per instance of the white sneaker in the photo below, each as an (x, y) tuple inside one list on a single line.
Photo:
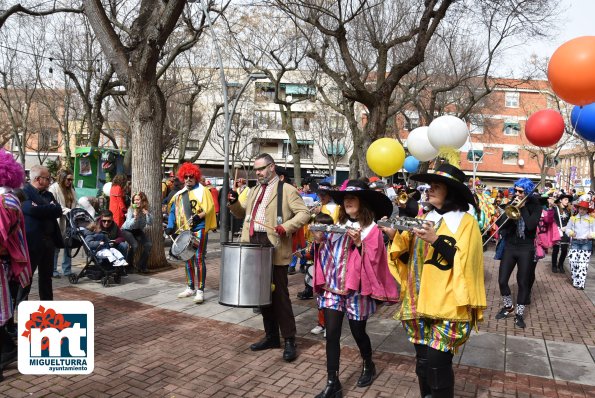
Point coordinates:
[(324, 333), (317, 330), (199, 298), (186, 293)]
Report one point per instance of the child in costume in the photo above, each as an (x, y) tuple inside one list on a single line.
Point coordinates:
[(581, 229)]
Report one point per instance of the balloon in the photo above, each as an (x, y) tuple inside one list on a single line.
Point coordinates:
[(448, 132), (411, 164), (570, 71), (544, 128), (419, 145), (106, 188), (583, 121), (385, 156)]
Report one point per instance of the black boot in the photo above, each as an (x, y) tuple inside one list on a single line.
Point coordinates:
[(561, 268), (368, 373), (333, 388), (306, 294), (442, 382), (8, 349), (267, 343), (290, 350), (554, 269), (421, 369)]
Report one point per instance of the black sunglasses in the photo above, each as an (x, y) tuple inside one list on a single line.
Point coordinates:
[(188, 177), (261, 168), (106, 221)]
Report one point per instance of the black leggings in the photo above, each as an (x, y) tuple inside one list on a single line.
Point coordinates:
[(563, 250), (333, 321), (434, 372), (523, 257)]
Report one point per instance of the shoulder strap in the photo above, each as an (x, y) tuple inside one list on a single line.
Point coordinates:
[(280, 202)]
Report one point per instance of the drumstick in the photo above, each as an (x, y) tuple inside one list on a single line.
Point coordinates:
[(263, 225)]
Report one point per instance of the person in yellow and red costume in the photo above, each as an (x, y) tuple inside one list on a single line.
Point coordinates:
[(440, 269), (192, 209)]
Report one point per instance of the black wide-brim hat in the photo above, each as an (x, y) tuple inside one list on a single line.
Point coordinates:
[(569, 197), (378, 202), (452, 177)]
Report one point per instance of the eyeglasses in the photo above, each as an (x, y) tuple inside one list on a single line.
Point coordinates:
[(44, 177), (261, 168), (106, 221), (188, 177)]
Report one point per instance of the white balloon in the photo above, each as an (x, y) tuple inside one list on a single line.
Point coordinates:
[(106, 188), (448, 132), (419, 146)]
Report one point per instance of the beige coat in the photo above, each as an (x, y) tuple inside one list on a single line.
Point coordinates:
[(57, 192), (295, 215)]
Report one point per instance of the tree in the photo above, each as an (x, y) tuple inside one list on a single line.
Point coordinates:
[(367, 47), (333, 138), (133, 45)]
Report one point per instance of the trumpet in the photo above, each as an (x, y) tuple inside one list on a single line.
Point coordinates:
[(402, 198)]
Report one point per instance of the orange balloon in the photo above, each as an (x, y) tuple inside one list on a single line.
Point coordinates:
[(571, 71)]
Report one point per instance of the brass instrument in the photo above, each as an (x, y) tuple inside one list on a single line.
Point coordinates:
[(402, 198), (513, 210), (405, 223)]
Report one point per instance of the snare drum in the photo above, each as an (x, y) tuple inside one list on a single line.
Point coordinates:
[(185, 245)]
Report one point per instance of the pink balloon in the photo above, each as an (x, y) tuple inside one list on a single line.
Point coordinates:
[(544, 128)]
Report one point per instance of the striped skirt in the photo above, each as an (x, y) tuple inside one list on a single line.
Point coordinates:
[(438, 334), (353, 304)]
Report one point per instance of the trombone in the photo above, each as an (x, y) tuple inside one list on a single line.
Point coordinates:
[(512, 212)]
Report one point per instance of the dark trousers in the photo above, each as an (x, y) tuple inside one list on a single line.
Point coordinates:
[(333, 322), (561, 249), (279, 315), (141, 241), (42, 260), (522, 256)]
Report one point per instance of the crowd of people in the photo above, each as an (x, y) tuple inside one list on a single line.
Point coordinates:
[(359, 246)]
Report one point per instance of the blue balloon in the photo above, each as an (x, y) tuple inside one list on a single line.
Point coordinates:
[(411, 164), (583, 121)]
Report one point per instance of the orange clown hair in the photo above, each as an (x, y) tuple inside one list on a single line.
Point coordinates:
[(189, 169)]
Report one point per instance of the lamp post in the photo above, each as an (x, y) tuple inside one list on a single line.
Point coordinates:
[(224, 236)]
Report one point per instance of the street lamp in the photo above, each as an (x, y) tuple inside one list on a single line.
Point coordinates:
[(224, 237)]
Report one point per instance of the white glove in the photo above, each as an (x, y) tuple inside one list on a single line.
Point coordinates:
[(65, 211)]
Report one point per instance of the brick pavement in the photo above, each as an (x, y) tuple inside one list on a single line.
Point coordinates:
[(144, 351)]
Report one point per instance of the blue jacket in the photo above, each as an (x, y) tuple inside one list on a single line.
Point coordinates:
[(41, 212), (94, 239)]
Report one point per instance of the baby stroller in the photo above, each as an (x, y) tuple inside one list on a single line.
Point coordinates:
[(95, 268)]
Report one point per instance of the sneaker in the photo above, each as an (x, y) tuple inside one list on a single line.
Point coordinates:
[(187, 293), (324, 335), (291, 271), (318, 329), (199, 298), (57, 276), (504, 312), (519, 322), (306, 294)]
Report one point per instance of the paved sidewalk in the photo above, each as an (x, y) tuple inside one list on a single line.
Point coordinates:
[(149, 343)]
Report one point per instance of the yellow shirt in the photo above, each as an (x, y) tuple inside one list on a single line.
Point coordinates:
[(432, 289)]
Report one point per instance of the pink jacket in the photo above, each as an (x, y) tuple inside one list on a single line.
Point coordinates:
[(367, 272), (12, 238)]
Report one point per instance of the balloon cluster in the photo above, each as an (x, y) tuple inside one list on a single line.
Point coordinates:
[(570, 72), (386, 156)]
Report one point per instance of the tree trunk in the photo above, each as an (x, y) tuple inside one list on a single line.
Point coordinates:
[(147, 110), (375, 128)]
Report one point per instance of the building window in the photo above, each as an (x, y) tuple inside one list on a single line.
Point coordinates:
[(476, 127), (301, 121), (48, 139), (510, 157), (296, 92), (511, 99), (267, 120), (192, 145), (264, 92), (475, 156), (335, 149), (270, 147), (306, 149), (511, 128)]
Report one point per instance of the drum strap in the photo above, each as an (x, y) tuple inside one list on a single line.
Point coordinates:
[(280, 202), (186, 205)]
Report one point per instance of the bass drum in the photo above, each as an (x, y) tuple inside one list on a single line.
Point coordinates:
[(246, 275), (185, 245)]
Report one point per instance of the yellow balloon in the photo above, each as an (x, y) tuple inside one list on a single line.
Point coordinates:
[(385, 156)]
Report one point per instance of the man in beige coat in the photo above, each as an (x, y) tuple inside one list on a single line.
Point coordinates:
[(260, 209)]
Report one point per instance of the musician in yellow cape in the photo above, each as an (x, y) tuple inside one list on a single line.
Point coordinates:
[(192, 209), (440, 269)]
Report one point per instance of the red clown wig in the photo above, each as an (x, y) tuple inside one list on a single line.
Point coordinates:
[(189, 169)]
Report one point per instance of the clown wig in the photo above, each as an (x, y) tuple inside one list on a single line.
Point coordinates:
[(189, 169), (12, 174), (526, 184)]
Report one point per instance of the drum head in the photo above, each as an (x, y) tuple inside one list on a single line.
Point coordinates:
[(181, 243)]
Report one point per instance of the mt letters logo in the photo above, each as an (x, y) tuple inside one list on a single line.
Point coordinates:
[(56, 337)]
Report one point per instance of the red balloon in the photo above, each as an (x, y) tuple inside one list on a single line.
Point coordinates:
[(571, 71), (544, 128)]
